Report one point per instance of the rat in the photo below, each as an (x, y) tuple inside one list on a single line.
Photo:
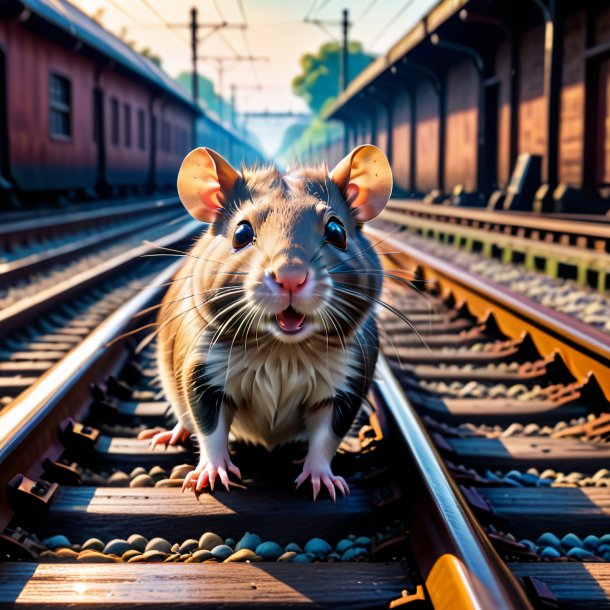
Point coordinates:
[(268, 330)]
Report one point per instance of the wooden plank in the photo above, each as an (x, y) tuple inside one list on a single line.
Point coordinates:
[(531, 451), (130, 451), (24, 367), (274, 514), (531, 511), (175, 585), (144, 409), (576, 585), (496, 410)]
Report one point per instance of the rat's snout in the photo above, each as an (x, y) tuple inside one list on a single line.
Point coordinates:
[(290, 278)]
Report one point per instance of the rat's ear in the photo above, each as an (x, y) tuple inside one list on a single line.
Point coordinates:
[(205, 180), (365, 179)]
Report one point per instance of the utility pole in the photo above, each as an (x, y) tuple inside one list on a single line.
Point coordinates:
[(220, 65), (194, 27), (344, 75), (194, 43)]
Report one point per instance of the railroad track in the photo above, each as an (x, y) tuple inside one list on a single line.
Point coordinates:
[(514, 398), (439, 474), (561, 245), (52, 298)]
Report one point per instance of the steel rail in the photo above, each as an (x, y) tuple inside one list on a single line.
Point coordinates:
[(26, 412), (28, 309), (38, 261), (37, 225), (460, 567), (577, 225), (584, 349)]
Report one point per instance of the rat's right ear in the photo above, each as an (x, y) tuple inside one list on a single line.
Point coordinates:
[(205, 180)]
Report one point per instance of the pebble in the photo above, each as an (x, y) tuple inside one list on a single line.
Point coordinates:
[(362, 541), (549, 539), (288, 556), (548, 552), (93, 544), (157, 473), (591, 542), (318, 547), (269, 551), (222, 551), (47, 555), (117, 547), (303, 558), (571, 541), (142, 480), (137, 542), (203, 555), (241, 556), (291, 547), (169, 483), (343, 545), (127, 555), (159, 544), (154, 555), (230, 542), (188, 546), (66, 553), (137, 471), (96, 557), (180, 472), (118, 479), (172, 558), (579, 553), (248, 541), (137, 559), (354, 553), (55, 542), (209, 540), (605, 539)]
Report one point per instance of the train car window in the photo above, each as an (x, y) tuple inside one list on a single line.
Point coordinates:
[(60, 98), (127, 113), (114, 121), (141, 130)]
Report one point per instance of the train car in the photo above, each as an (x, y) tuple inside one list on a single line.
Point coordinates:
[(80, 110)]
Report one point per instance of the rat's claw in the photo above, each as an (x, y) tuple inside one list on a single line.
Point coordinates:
[(328, 483), (203, 480), (224, 478), (188, 480), (167, 437), (323, 475), (234, 470)]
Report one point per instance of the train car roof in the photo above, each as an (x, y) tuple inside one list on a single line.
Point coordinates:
[(77, 24)]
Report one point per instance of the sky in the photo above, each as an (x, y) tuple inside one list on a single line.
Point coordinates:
[(276, 32)]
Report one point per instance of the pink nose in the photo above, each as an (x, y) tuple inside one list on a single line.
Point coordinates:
[(290, 278)]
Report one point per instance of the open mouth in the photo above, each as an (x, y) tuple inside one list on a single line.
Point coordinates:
[(290, 320)]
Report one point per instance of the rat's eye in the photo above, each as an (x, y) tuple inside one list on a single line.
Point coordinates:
[(243, 236), (335, 234)]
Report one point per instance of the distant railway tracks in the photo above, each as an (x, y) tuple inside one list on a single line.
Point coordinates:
[(478, 478), (573, 246)]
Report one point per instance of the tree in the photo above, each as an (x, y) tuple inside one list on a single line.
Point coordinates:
[(319, 80)]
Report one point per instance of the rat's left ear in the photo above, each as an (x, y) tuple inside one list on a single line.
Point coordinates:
[(365, 179), (205, 182)]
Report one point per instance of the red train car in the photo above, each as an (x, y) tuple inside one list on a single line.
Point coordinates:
[(81, 110)]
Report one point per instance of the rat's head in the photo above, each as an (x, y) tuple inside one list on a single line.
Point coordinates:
[(292, 242)]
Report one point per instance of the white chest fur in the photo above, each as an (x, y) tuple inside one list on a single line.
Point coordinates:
[(273, 383)]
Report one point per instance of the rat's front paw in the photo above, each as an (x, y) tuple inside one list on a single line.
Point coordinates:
[(178, 434), (322, 474), (206, 472)]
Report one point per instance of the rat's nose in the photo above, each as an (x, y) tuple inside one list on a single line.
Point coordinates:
[(292, 279)]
